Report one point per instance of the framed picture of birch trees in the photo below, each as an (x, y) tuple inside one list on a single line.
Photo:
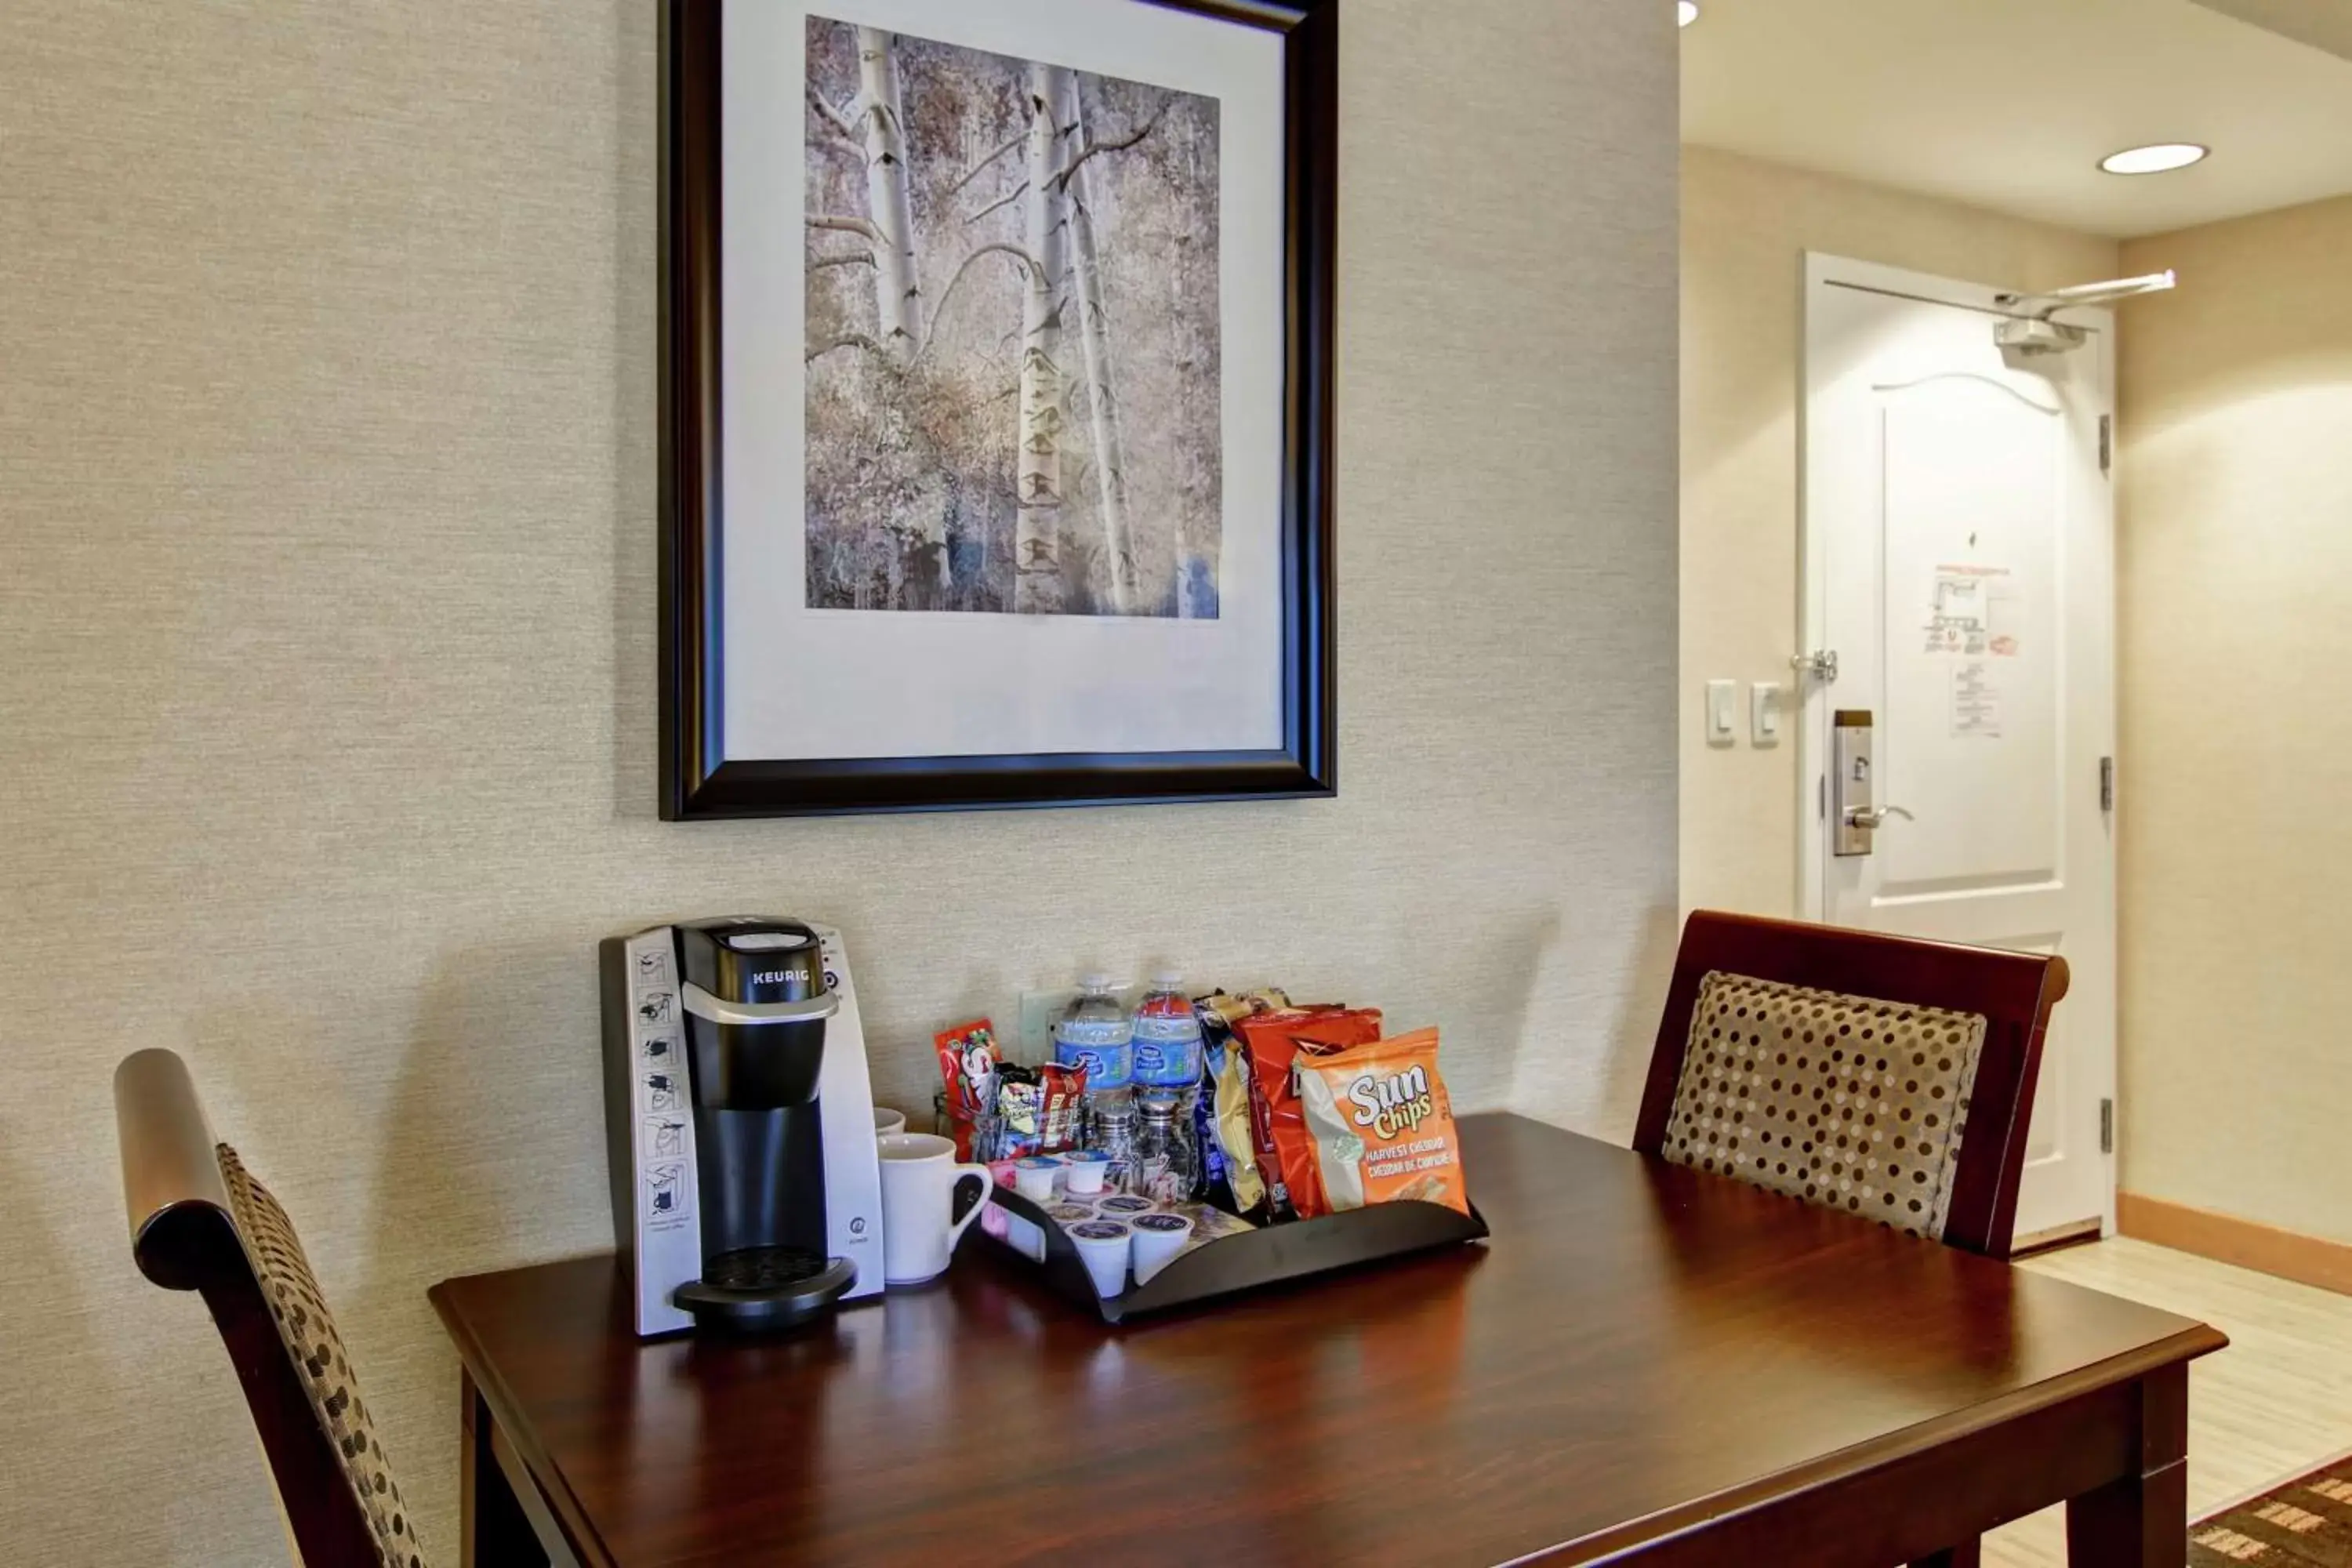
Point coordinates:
[(996, 422)]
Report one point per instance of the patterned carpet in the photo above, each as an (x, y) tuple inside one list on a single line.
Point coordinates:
[(2303, 1524)]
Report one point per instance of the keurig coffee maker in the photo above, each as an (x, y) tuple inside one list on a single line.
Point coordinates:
[(745, 1188)]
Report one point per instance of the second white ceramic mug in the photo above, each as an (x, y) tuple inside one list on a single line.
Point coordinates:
[(921, 1179), (887, 1121)]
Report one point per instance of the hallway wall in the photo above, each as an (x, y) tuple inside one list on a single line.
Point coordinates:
[(1746, 227), (2234, 555)]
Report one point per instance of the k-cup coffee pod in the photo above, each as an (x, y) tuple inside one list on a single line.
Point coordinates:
[(1104, 1244), (1083, 1171), (1069, 1215), (1035, 1177), (1123, 1205), (1158, 1238)]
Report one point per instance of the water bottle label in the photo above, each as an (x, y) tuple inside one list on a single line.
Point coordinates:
[(1167, 1051), (1105, 1047)]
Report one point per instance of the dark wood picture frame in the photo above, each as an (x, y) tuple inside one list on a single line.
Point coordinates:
[(696, 779)]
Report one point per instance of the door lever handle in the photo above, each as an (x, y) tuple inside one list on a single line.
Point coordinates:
[(1873, 817)]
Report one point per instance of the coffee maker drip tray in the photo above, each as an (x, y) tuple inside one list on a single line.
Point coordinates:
[(764, 1286)]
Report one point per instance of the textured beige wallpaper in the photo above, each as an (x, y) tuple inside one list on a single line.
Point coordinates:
[(1746, 227), (2235, 550), (327, 668)]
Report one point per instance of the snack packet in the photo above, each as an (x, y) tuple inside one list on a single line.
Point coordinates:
[(1273, 1041), (1037, 1110), (1228, 1103), (1382, 1125), (969, 1058), (1220, 1012), (1221, 1111), (1063, 1090)]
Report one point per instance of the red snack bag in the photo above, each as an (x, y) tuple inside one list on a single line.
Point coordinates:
[(969, 1058), (1285, 1149), (1064, 1096)]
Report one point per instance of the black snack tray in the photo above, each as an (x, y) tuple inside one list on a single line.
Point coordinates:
[(1246, 1260)]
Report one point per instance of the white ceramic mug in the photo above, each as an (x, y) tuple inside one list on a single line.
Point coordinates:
[(887, 1121), (920, 1176)]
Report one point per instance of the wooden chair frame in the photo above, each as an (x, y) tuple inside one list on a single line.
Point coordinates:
[(2013, 991), (184, 1237)]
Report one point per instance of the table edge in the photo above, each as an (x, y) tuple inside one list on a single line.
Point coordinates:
[(2188, 1342), (491, 1385), (1857, 1459)]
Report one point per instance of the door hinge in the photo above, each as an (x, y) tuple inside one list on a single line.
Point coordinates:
[(1821, 666), (2106, 784), (2106, 443), (2106, 1127)]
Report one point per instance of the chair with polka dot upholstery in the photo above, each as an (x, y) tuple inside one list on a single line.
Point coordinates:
[(199, 1221), (1884, 1076), (1888, 1079)]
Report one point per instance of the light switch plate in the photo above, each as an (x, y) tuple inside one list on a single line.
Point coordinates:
[(1722, 710), (1038, 1011), (1764, 714)]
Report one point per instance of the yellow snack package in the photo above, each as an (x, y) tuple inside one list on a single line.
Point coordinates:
[(1229, 1072), (1382, 1126)]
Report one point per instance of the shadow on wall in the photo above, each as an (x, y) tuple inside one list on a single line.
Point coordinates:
[(458, 1192), (78, 1374), (397, 1175), (637, 499), (1598, 1093)]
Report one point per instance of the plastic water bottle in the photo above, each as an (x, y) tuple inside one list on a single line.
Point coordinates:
[(1168, 1050), (1096, 1034), (1167, 1039)]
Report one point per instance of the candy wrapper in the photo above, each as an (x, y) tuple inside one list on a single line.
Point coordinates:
[(1037, 1110), (1382, 1125), (969, 1060), (1274, 1042)]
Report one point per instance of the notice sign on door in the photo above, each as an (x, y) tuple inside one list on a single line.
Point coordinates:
[(1976, 700), (1972, 611)]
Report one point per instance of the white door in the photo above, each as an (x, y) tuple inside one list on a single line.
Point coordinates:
[(1959, 543)]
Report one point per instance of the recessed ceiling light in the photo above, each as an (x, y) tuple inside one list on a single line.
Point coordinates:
[(1686, 11), (2155, 159)]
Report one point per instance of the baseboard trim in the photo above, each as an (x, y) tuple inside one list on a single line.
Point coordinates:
[(2225, 1239), (2056, 1236)]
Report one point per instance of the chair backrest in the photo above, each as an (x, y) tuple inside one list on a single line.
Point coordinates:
[(1934, 1047), (199, 1222)]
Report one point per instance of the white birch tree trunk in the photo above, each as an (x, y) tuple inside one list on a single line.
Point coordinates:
[(1038, 585), (1199, 444), (898, 290), (1102, 395)]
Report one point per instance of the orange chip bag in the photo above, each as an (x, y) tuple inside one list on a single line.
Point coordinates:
[(1382, 1126), (1275, 1042)]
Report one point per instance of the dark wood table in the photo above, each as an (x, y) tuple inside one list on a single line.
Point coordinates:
[(1644, 1365)]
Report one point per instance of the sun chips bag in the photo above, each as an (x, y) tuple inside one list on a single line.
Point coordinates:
[(1382, 1126)]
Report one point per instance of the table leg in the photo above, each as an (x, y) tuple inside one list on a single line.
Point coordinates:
[(1968, 1556), (2142, 1521), (493, 1528)]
